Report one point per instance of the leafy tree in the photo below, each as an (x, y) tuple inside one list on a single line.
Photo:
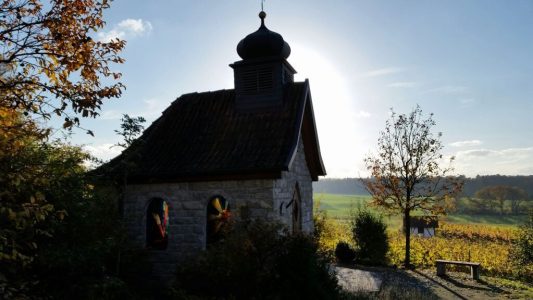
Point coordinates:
[(525, 240), (89, 248), (477, 205), (30, 170), (522, 252), (54, 226), (498, 194), (517, 196), (51, 64), (406, 172), (130, 129)]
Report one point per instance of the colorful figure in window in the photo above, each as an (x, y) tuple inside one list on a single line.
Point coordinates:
[(157, 225), (218, 218)]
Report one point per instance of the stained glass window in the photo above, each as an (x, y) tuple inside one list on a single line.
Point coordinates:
[(218, 217), (157, 225)]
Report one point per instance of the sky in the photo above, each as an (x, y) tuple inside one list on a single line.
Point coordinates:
[(470, 63)]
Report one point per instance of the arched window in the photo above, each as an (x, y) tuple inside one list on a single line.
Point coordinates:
[(218, 216), (296, 210), (157, 224)]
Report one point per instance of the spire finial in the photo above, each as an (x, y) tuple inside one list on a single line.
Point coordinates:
[(262, 16), (262, 2)]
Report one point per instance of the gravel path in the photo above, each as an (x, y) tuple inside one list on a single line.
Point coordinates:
[(388, 283), (354, 280)]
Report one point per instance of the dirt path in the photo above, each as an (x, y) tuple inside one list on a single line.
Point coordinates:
[(387, 283)]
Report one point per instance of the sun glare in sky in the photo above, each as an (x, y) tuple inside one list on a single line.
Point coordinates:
[(468, 62), (333, 109)]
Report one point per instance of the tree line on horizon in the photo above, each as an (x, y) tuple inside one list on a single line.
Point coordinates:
[(354, 186)]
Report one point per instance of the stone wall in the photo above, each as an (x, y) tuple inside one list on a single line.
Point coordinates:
[(187, 214), (188, 206), (284, 189)]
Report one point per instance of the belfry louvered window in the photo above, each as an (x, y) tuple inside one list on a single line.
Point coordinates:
[(257, 80)]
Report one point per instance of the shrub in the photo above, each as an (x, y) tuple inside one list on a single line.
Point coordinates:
[(522, 251), (258, 261), (344, 253), (370, 235), (89, 249), (329, 232)]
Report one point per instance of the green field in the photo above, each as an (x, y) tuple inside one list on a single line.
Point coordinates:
[(340, 206)]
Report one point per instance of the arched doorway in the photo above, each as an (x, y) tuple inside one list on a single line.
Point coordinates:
[(296, 209)]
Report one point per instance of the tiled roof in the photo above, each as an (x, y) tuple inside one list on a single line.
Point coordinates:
[(203, 136), (425, 221)]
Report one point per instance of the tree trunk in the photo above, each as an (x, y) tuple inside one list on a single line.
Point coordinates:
[(515, 206), (501, 203), (407, 231)]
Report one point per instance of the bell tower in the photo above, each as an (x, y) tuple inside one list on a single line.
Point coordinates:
[(263, 71)]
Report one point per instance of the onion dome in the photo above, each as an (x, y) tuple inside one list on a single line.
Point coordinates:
[(263, 43)]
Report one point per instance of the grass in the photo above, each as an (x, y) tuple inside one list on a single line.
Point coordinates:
[(487, 219), (520, 289), (340, 206)]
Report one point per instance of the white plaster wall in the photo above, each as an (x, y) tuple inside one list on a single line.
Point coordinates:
[(428, 232)]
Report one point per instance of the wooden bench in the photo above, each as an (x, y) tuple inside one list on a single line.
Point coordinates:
[(474, 267)]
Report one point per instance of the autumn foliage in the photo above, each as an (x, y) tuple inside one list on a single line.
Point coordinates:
[(30, 171), (50, 63), (54, 225), (408, 172), (51, 219)]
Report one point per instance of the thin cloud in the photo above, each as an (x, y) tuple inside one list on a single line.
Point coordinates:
[(382, 72), (403, 84), (128, 28), (477, 153), (104, 151), (506, 154), (111, 115), (510, 161), (448, 89), (152, 108), (469, 143)]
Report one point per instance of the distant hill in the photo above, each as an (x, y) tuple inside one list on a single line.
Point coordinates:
[(353, 186), (344, 186)]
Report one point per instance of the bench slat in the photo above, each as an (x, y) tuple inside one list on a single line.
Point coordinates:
[(457, 262), (474, 267)]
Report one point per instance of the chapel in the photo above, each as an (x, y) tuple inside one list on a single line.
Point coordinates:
[(211, 154)]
